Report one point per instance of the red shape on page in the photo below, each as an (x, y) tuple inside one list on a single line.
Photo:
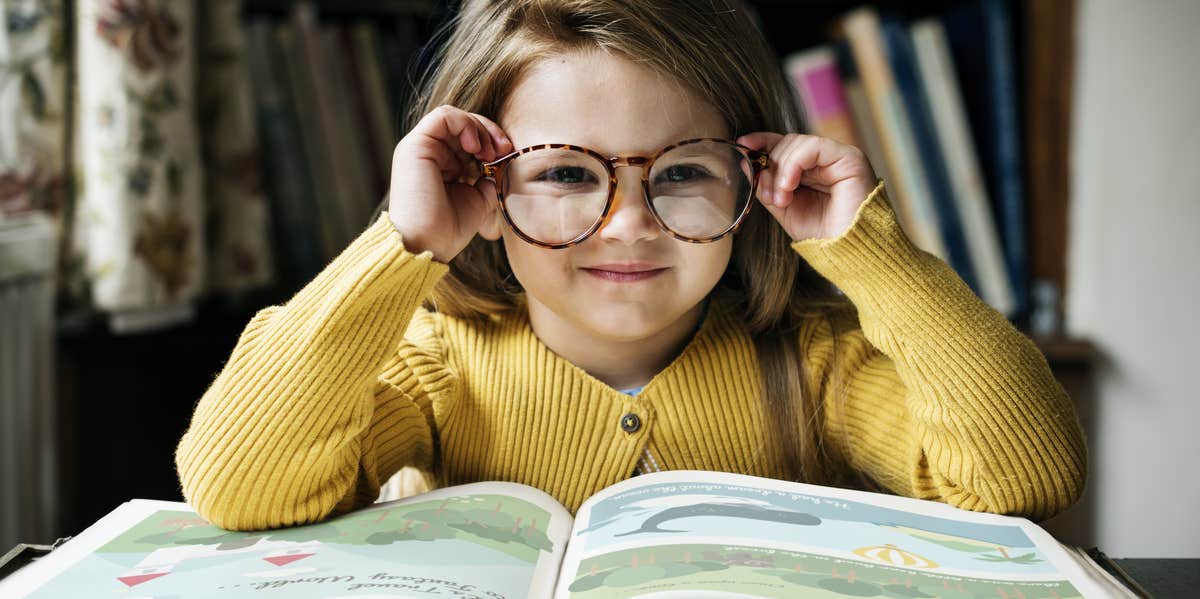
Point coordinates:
[(281, 560), (140, 578)]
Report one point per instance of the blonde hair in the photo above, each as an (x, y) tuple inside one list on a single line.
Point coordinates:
[(715, 49)]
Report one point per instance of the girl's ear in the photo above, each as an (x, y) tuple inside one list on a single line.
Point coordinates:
[(492, 223)]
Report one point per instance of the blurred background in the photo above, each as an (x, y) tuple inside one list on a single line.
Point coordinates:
[(168, 167)]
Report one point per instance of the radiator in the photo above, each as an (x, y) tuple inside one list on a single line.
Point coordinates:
[(28, 439)]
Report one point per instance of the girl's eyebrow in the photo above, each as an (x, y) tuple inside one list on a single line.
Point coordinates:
[(654, 150)]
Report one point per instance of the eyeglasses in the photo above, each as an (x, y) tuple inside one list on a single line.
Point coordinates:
[(557, 195)]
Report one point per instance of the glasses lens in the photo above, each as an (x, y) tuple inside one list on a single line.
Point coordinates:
[(699, 190), (554, 195)]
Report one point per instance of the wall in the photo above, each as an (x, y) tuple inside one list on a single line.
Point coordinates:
[(1134, 281)]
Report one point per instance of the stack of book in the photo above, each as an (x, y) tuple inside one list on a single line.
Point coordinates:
[(329, 100), (933, 104)]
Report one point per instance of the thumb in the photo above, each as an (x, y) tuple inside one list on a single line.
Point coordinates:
[(491, 222)]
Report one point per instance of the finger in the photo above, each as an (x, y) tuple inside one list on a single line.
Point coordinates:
[(469, 138), (481, 136), (817, 160), (447, 139), (764, 141), (491, 150), (469, 135), (500, 140), (449, 160), (766, 182), (760, 140), (456, 128), (788, 176)]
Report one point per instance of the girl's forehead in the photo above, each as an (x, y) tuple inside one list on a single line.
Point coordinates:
[(604, 102)]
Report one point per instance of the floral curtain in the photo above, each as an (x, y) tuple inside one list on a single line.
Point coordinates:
[(158, 127), (156, 134), (33, 93), (139, 218)]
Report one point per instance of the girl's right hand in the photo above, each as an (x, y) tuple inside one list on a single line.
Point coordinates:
[(430, 201)]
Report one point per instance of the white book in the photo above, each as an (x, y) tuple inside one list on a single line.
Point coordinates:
[(936, 68), (865, 125), (911, 188)]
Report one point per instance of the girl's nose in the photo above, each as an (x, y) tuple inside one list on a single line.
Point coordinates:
[(629, 221)]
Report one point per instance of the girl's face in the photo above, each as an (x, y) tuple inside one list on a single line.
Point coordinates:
[(612, 105)]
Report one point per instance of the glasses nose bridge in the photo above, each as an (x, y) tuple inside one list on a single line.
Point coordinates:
[(639, 162), (642, 163)]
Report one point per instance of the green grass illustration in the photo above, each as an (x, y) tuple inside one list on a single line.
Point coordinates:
[(782, 574), (503, 523)]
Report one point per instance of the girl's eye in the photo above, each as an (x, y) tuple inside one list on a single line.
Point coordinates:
[(681, 173), (566, 175)]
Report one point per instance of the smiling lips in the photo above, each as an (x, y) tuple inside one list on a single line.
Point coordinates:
[(625, 272)]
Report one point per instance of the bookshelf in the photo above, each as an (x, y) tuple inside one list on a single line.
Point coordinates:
[(127, 399)]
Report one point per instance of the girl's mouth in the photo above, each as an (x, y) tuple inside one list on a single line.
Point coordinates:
[(624, 276)]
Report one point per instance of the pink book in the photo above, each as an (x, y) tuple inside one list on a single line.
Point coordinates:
[(814, 75)]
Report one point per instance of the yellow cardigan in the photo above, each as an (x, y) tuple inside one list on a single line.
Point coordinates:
[(328, 395)]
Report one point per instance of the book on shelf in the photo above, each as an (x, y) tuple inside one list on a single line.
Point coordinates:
[(364, 52), (860, 110), (892, 87), (328, 119), (903, 61), (325, 88), (981, 40), (949, 121), (665, 534), (863, 31), (350, 131), (814, 76), (312, 139), (293, 202)]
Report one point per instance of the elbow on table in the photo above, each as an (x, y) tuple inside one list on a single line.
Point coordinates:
[(240, 502), (1044, 490), (1068, 480)]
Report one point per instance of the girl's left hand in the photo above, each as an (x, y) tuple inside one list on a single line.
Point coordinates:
[(813, 185)]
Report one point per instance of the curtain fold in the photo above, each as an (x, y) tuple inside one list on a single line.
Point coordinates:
[(159, 136), (33, 106), (139, 218)]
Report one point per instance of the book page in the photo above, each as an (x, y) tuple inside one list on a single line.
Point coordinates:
[(706, 534), (485, 540), (1100, 576)]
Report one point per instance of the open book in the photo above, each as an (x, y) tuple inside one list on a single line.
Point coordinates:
[(662, 535)]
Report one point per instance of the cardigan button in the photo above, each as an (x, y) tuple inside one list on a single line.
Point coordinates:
[(630, 423)]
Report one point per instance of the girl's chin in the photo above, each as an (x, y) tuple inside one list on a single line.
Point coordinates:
[(624, 322)]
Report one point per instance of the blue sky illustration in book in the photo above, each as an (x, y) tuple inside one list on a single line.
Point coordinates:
[(412, 550), (658, 513)]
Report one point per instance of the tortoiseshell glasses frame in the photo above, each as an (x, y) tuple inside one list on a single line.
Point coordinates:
[(495, 170)]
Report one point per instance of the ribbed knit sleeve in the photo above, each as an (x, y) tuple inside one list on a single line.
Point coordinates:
[(937, 395), (316, 404)]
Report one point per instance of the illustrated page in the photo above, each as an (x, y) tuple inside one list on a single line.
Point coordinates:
[(694, 534), (485, 540)]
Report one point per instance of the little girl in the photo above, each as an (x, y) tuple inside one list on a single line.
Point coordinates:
[(600, 257)]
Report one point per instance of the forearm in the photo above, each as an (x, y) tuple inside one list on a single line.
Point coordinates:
[(980, 421), (289, 408)]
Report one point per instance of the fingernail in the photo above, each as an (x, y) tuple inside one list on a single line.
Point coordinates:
[(766, 196)]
